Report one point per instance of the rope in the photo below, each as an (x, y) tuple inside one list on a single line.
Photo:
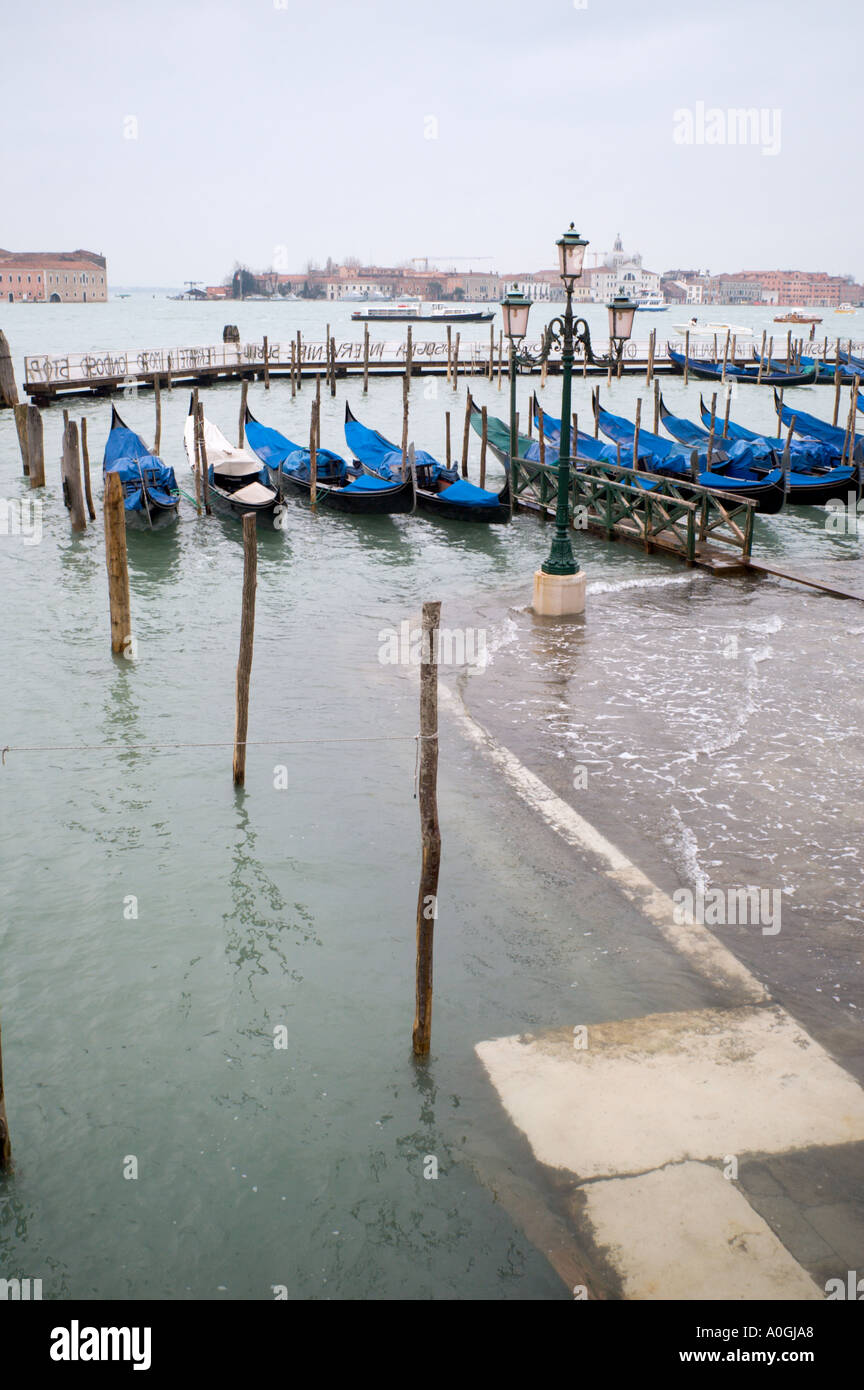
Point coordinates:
[(221, 743)]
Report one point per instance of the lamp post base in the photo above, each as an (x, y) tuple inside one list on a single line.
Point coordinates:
[(559, 595)]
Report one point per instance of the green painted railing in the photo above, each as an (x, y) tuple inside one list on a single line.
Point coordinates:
[(675, 516)]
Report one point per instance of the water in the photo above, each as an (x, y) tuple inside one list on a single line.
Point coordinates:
[(718, 721)]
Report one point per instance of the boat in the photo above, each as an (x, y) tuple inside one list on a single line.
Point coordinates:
[(414, 311), (236, 488), (710, 330), (731, 470), (846, 308), (338, 486), (653, 303), (812, 428), (763, 457), (150, 494), (714, 371), (440, 491), (797, 316)]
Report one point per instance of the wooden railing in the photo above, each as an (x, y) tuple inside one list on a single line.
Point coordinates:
[(675, 516)]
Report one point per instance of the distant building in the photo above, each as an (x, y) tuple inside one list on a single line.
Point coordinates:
[(58, 277), (622, 273)]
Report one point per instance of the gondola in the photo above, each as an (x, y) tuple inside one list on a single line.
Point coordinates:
[(730, 472), (713, 371), (806, 487), (338, 486), (440, 491), (150, 494), (235, 486)]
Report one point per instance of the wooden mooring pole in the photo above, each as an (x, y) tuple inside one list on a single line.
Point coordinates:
[(114, 521), (8, 389), (157, 395), (241, 423), (5, 1143), (686, 356), (430, 833), (266, 364), (247, 637), (484, 437), (366, 358), (21, 427), (85, 469), (466, 435), (409, 354), (73, 494), (35, 446)]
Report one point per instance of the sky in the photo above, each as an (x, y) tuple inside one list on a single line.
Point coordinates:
[(180, 138)]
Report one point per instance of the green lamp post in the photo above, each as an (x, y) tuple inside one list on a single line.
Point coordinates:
[(566, 332)]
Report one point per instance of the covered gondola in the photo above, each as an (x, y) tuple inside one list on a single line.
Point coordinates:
[(338, 485), (440, 491), (235, 485), (150, 494), (714, 371)]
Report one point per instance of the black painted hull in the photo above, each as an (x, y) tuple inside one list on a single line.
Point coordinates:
[(395, 500), (158, 516), (267, 514), (437, 506)]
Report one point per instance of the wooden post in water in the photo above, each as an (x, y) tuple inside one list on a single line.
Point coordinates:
[(114, 521), (409, 353), (71, 472), (656, 406), (483, 441), (649, 367), (313, 451), (725, 356), (686, 355), (21, 427), (85, 469), (299, 361), (447, 437), (332, 366), (35, 447), (266, 364), (5, 1143), (202, 457), (430, 833), (500, 355), (788, 349), (157, 396), (491, 350), (247, 637), (711, 430), (293, 369), (837, 387), (449, 353), (466, 435), (241, 421), (595, 405), (454, 380), (8, 389), (726, 415), (365, 358)]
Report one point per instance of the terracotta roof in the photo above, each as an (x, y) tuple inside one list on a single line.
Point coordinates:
[(54, 259)]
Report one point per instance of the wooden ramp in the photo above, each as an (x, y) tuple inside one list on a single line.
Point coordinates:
[(820, 584)]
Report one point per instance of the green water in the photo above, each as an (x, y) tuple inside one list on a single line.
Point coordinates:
[(152, 1036)]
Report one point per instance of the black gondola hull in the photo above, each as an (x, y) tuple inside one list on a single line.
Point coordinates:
[(395, 500)]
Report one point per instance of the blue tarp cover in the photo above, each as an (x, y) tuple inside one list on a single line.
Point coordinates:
[(127, 455), (468, 494)]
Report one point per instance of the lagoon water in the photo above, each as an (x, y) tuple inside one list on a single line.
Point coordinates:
[(159, 930)]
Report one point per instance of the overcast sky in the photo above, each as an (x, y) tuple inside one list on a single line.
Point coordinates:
[(278, 130)]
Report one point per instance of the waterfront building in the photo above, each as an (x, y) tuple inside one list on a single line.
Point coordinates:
[(58, 277), (622, 272)]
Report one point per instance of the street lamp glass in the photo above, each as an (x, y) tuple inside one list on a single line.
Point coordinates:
[(621, 311), (571, 254), (515, 308)]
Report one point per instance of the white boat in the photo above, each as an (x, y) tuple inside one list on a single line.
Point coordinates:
[(845, 309), (653, 303), (416, 310), (708, 330)]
